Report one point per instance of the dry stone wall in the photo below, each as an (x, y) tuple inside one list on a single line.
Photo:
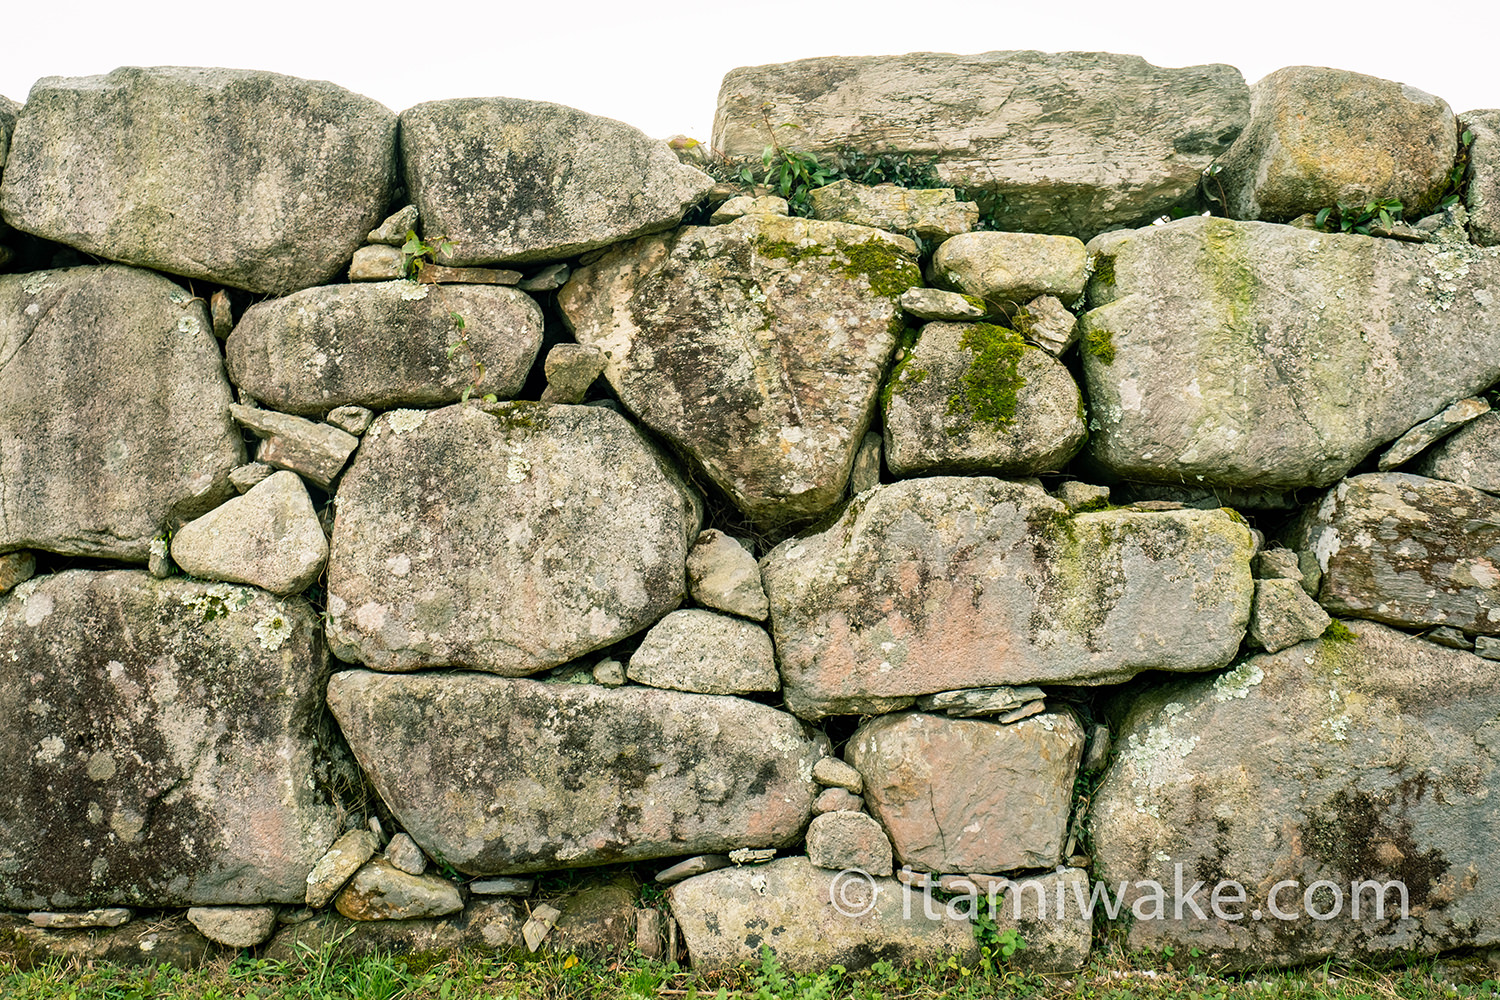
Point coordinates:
[(422, 531)]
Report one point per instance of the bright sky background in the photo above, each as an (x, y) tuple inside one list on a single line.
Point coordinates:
[(658, 65)]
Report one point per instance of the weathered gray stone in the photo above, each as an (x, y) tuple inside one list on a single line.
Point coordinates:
[(1363, 756), (836, 799), (696, 650), (971, 703), (935, 584), (1487, 646), (405, 855), (1096, 755), (234, 926), (350, 419), (722, 574), (598, 918), (967, 794), (1277, 564), (384, 345), (8, 111), (314, 450), (338, 865), (168, 940), (834, 773), (381, 891), (522, 776), (166, 744), (240, 177), (811, 918), (113, 916), (1482, 177), (939, 304), (377, 263), (930, 214), (692, 866), (393, 230), (1048, 324), (222, 313), (1407, 551), (570, 370), (865, 475), (113, 422), (744, 204), (1011, 267), (1070, 142), (1446, 635), (1321, 136), (1047, 912), (245, 478), (1283, 615), (841, 839), (16, 568), (484, 925), (1218, 353), (509, 538), (757, 348), (977, 398), (610, 673), (437, 274), (514, 180), (1470, 456), (269, 538), (548, 279), (502, 886), (1080, 496), (1416, 440)]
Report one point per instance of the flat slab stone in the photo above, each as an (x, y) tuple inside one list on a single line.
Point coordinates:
[(970, 794), (338, 865), (931, 585), (1407, 551), (113, 916), (100, 466), (1365, 757), (722, 574), (1482, 179), (317, 451), (757, 348), (692, 866), (1068, 142), (166, 744), (1011, 267), (525, 776), (1218, 353), (241, 177), (1469, 456), (510, 180), (932, 214), (811, 918), (384, 345), (969, 703), (1433, 429), (166, 940), (596, 527), (269, 538)]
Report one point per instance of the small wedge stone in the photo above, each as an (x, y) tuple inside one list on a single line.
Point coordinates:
[(113, 916), (503, 886), (837, 800), (394, 229), (940, 304), (1409, 445), (377, 263), (404, 853), (834, 773), (316, 451), (234, 926), (16, 568), (333, 869), (350, 419), (381, 891)]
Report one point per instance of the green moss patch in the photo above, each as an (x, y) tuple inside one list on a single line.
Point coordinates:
[(1100, 343), (988, 387), (1337, 631)]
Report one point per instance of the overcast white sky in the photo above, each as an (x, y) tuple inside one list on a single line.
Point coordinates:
[(658, 65)]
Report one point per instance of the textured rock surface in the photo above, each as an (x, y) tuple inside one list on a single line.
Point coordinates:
[(113, 422), (570, 370), (696, 650), (377, 263), (384, 345), (969, 795), (932, 214), (381, 891), (977, 398), (1321, 136), (1049, 324), (835, 773), (508, 538), (166, 744), (405, 855), (18, 567), (1219, 352), (811, 919), (311, 449), (269, 538), (1283, 615), (246, 178), (757, 347), (1407, 551), (521, 776), (234, 926), (515, 180), (484, 924), (1011, 267), (842, 839), (1482, 179), (723, 574), (1431, 430), (338, 865), (935, 584), (1071, 142), (837, 799), (1471, 456), (1371, 757), (170, 940), (1047, 912), (938, 303), (8, 111)]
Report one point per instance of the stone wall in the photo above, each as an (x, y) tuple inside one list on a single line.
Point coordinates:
[(443, 529)]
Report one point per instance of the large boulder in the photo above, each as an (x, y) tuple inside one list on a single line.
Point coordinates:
[(8, 111), (974, 397), (811, 918), (511, 180), (1358, 766), (756, 347), (497, 775), (509, 537), (166, 744), (931, 585), (1069, 142), (384, 345), (240, 177), (970, 795), (114, 412), (1406, 551), (1220, 353), (1319, 136), (1482, 177)]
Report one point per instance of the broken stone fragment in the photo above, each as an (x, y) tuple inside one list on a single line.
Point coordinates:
[(866, 472), (1048, 324), (834, 773), (930, 214), (722, 574), (610, 673), (377, 263), (539, 925), (316, 451), (697, 650), (1079, 496), (395, 227), (570, 370), (112, 916), (1446, 635), (338, 865), (841, 840), (269, 538), (502, 886), (1283, 615), (969, 703), (404, 854), (437, 274), (223, 315), (245, 478), (1470, 456), (234, 926), (548, 279), (746, 205), (940, 304), (692, 866), (350, 419), (381, 891), (836, 799), (16, 568), (1416, 440)]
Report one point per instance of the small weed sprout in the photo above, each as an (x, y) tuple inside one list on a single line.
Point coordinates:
[(461, 345), (417, 253)]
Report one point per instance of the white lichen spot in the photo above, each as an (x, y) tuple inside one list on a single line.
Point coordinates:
[(189, 325), (1326, 547), (36, 283), (516, 469), (402, 421), (1238, 682), (37, 609), (50, 749), (398, 564), (413, 291), (273, 630), (758, 883)]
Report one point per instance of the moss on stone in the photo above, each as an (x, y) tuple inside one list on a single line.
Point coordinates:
[(1100, 343), (886, 269), (989, 386), (1104, 270), (1337, 631)]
